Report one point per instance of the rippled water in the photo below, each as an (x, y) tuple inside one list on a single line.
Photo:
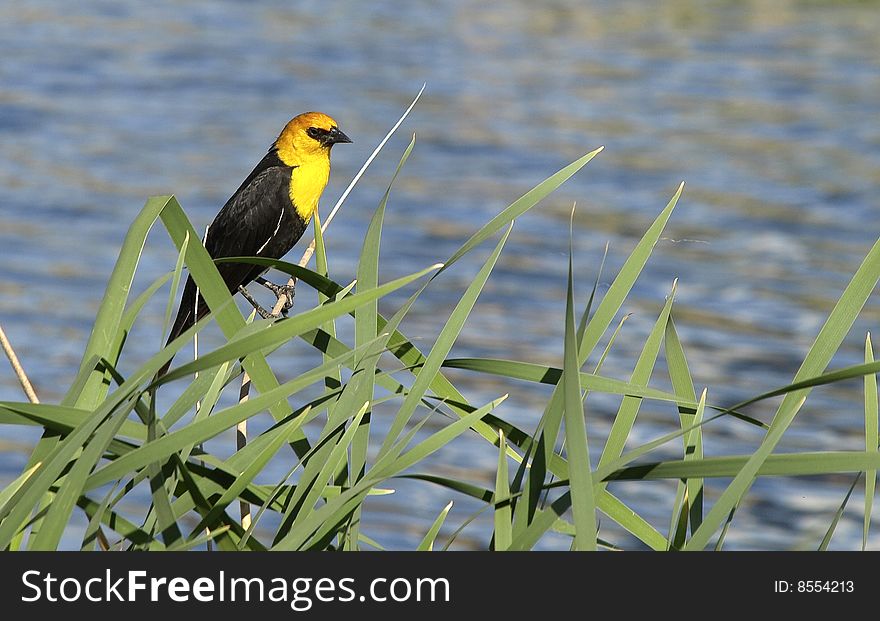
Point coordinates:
[(768, 110)]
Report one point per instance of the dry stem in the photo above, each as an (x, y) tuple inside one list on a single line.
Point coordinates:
[(17, 368)]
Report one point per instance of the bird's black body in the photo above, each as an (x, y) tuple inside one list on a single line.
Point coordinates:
[(259, 220)]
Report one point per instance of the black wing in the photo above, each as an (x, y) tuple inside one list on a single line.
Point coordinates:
[(246, 226), (249, 223)]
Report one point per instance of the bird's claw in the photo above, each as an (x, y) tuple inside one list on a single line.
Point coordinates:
[(287, 292), (281, 291)]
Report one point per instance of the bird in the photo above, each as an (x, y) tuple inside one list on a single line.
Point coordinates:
[(267, 214)]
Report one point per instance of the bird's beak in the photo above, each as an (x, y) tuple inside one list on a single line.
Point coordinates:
[(334, 136)]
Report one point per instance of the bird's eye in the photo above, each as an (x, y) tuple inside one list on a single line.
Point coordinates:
[(313, 132)]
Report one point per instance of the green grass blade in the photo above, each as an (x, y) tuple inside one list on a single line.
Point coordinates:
[(239, 461), (585, 318), (104, 332), (581, 483), (175, 283), (339, 413), (610, 344), (427, 543), (16, 484), (228, 540), (826, 344), (207, 404), (530, 474), (683, 385), (872, 437), (371, 542), (333, 380), (79, 382), (641, 375), (160, 485), (678, 518), (692, 491), (822, 379), (93, 532), (503, 513), (543, 374), (720, 543), (58, 418), (788, 464), (614, 508), (366, 316), (461, 528), (826, 540), (693, 449), (462, 487)]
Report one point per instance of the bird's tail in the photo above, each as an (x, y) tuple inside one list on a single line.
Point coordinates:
[(192, 308)]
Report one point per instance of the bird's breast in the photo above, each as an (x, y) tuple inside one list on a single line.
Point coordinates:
[(307, 182)]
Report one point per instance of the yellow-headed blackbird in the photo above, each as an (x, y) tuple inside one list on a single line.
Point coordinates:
[(268, 214)]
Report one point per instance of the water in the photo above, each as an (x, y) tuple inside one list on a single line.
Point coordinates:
[(767, 110)]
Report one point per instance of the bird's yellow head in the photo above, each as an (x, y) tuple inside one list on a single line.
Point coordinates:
[(308, 138)]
